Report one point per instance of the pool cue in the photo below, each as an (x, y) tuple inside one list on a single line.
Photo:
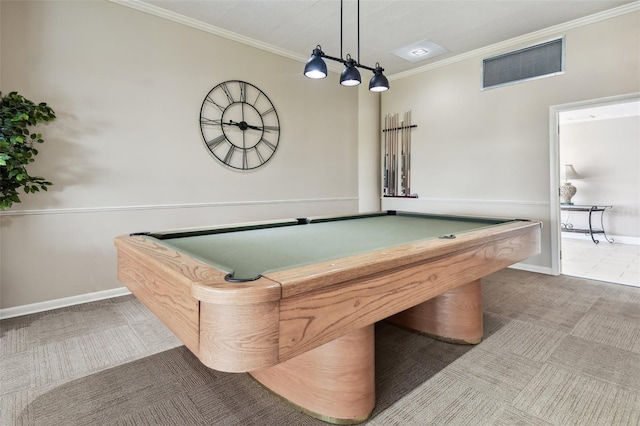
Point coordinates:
[(385, 190), (406, 154), (390, 171), (395, 154), (408, 120), (403, 157)]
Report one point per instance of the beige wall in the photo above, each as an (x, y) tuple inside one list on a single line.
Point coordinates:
[(368, 149), (126, 154), (488, 152)]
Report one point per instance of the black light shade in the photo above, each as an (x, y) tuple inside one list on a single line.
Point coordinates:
[(350, 75), (315, 67), (379, 82)]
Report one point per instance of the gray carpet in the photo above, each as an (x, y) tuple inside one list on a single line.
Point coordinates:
[(174, 388), (557, 351)]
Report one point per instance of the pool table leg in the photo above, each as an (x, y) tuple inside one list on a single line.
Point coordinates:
[(334, 382), (454, 316)]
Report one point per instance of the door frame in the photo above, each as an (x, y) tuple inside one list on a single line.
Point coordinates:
[(554, 157)]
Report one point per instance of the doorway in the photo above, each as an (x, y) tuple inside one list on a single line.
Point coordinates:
[(595, 148)]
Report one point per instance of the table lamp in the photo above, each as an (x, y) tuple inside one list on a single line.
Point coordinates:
[(567, 190)]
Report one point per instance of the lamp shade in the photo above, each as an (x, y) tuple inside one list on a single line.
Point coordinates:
[(315, 67), (379, 82), (570, 172), (350, 75)]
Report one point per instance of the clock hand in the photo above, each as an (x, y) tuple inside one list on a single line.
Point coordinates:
[(243, 126), (232, 123), (257, 128)]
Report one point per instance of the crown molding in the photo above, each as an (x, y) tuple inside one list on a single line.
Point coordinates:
[(527, 38), (199, 25)]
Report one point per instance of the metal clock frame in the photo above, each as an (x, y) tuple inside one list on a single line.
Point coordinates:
[(221, 100)]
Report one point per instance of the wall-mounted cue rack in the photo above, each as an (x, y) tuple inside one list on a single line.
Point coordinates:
[(397, 156)]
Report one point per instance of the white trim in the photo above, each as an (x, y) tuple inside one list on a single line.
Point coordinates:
[(527, 38), (170, 206), (554, 166), (468, 201), (533, 268), (554, 188), (610, 100), (62, 303)]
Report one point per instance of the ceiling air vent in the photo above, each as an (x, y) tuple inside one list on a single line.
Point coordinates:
[(533, 62)]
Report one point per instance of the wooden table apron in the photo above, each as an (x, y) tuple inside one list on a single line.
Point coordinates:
[(254, 326)]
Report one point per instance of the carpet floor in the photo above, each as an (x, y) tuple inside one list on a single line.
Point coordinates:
[(556, 351)]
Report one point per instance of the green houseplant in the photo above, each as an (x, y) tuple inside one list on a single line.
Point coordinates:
[(17, 146)]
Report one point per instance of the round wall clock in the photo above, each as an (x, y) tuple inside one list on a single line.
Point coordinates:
[(239, 125)]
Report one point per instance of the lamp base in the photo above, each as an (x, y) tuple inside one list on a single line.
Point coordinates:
[(566, 192)]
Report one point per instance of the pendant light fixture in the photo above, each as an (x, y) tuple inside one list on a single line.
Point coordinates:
[(350, 76)]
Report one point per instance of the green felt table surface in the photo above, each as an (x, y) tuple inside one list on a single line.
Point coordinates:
[(249, 253)]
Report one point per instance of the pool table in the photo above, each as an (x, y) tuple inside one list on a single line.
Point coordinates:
[(294, 302)]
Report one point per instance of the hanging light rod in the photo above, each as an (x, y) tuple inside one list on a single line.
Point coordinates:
[(350, 76)]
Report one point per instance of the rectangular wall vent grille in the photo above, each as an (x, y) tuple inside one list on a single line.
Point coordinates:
[(538, 61)]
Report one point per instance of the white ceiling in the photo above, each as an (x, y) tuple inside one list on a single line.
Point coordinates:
[(297, 26)]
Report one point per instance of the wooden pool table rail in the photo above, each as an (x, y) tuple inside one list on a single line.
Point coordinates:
[(167, 282)]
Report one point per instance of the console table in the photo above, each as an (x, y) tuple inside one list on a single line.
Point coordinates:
[(567, 226)]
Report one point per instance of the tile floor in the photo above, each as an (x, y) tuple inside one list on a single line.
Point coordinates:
[(612, 262)]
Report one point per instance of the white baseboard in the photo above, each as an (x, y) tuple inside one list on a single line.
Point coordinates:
[(532, 268), (62, 303)]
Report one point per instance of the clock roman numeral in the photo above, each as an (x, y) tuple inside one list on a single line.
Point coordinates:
[(269, 144), (210, 122), (269, 111), (245, 160), (274, 128), (227, 158), (213, 143), (220, 107), (257, 97), (243, 91), (227, 92), (260, 157)]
